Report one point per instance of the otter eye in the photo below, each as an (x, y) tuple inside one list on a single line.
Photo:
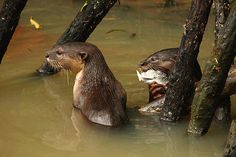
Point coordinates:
[(59, 52), (152, 59)]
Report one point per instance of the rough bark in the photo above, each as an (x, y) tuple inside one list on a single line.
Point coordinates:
[(223, 111), (230, 148), (181, 76), (222, 13), (9, 18), (230, 85), (222, 9), (82, 26), (211, 86)]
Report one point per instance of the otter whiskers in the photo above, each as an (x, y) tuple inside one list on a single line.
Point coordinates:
[(57, 66), (67, 76)]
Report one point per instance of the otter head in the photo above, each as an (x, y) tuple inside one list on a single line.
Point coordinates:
[(67, 57), (154, 71), (162, 60), (156, 64)]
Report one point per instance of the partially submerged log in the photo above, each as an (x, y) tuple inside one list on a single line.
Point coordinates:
[(181, 80), (9, 18), (86, 21), (230, 148), (215, 74), (82, 26)]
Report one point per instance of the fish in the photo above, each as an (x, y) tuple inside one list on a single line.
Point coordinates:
[(151, 76)]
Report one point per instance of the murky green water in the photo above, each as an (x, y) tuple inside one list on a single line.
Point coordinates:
[(36, 114)]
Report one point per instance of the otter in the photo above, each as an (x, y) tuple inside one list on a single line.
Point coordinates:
[(96, 92), (155, 70)]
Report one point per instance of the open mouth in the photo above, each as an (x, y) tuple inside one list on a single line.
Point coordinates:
[(157, 82), (157, 91)]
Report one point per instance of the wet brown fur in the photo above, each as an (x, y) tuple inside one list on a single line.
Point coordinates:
[(97, 93), (164, 61)]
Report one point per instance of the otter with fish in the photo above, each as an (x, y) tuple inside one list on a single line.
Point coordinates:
[(96, 92), (154, 71)]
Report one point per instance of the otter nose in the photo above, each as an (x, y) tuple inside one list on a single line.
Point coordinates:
[(47, 55)]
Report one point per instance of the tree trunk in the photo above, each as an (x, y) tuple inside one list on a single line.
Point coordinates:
[(230, 148), (82, 26), (230, 85), (181, 79), (223, 111), (211, 86), (9, 18), (222, 13)]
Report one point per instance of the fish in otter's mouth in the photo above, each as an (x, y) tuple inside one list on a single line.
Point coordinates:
[(152, 76), (154, 71), (157, 82)]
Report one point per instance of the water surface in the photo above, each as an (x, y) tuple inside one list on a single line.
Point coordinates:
[(36, 114)]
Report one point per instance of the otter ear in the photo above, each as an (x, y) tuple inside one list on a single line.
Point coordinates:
[(83, 55)]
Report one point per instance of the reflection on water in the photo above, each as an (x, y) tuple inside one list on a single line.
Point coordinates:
[(36, 113)]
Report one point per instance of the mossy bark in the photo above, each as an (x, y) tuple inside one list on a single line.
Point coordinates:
[(230, 148), (222, 12), (82, 26), (9, 18), (181, 76), (222, 9), (215, 74)]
